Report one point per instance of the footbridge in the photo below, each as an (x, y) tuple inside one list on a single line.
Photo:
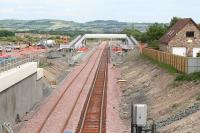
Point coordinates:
[(80, 41)]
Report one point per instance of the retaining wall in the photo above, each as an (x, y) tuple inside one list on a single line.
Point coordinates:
[(20, 90)]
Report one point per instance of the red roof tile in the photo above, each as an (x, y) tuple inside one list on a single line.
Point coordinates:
[(175, 29)]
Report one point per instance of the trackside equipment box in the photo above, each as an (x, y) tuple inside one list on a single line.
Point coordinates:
[(140, 115)]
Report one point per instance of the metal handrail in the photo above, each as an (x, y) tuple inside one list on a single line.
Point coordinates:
[(9, 64), (6, 128)]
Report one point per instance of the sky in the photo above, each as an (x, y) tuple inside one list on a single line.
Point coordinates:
[(89, 10)]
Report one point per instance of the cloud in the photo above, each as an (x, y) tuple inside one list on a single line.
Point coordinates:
[(85, 10), (6, 10), (46, 3)]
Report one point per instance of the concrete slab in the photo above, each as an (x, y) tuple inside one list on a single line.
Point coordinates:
[(15, 75)]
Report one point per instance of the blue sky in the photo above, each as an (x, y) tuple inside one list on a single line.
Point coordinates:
[(87, 10)]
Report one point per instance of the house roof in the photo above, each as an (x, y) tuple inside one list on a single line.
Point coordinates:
[(180, 24)]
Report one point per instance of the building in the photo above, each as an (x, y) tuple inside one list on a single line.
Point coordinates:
[(49, 43), (182, 39)]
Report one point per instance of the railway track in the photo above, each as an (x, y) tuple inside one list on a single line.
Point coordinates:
[(93, 118), (40, 130), (58, 115), (41, 123)]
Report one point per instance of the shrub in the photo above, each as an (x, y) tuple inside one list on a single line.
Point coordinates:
[(6, 33), (169, 68), (154, 44), (188, 77), (198, 98)]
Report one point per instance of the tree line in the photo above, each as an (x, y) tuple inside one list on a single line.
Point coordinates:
[(151, 36), (153, 33), (6, 33)]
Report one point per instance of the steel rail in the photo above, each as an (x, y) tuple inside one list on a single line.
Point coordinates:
[(97, 94), (67, 87), (74, 105)]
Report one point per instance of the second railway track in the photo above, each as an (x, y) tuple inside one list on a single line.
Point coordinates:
[(58, 115)]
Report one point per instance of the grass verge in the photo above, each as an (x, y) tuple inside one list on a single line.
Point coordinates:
[(198, 98), (43, 65), (195, 77), (188, 77), (169, 68)]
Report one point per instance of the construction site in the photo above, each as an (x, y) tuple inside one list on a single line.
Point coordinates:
[(99, 66), (90, 86), (71, 86)]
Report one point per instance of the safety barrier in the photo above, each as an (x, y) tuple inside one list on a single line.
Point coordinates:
[(7, 64)]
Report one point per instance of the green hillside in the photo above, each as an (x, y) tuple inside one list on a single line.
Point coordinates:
[(98, 26)]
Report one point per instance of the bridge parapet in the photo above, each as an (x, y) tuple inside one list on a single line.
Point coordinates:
[(78, 42)]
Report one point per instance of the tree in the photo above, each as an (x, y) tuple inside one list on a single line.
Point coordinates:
[(133, 32), (153, 34), (156, 31), (173, 21), (6, 33)]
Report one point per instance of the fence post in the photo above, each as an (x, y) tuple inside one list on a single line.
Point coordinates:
[(186, 64), (178, 62)]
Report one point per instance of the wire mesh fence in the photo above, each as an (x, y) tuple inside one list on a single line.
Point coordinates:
[(9, 63)]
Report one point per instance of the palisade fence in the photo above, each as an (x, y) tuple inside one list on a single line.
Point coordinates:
[(13, 63), (178, 62)]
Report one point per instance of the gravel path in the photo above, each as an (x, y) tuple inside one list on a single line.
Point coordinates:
[(114, 123)]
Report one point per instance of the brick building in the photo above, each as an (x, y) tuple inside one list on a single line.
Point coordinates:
[(182, 39)]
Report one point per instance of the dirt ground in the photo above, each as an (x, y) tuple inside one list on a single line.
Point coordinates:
[(148, 84), (56, 70)]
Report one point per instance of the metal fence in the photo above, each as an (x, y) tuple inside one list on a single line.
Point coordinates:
[(5, 128), (10, 63)]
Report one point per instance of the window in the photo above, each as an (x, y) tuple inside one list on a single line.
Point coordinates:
[(190, 34)]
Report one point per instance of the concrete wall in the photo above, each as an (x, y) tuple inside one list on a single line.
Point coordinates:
[(19, 99), (80, 43), (40, 73), (193, 65), (15, 75), (20, 89)]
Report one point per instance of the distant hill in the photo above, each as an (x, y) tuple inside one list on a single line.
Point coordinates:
[(98, 26)]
